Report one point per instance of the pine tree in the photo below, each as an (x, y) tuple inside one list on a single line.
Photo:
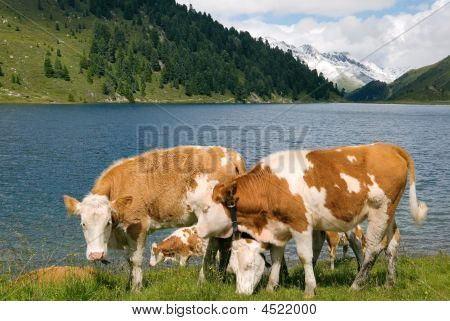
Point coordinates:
[(48, 68), (16, 79), (57, 26), (58, 69), (58, 52), (143, 87), (66, 75)]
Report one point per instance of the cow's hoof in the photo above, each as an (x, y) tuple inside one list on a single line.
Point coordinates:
[(310, 293), (389, 284), (271, 287), (355, 287), (136, 288)]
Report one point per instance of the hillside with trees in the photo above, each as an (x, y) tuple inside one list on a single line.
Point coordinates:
[(429, 84), (142, 50)]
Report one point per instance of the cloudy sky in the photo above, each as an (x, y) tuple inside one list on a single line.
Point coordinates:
[(356, 26)]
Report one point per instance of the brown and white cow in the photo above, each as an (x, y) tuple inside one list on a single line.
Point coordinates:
[(180, 246), (293, 193), (354, 238), (158, 189)]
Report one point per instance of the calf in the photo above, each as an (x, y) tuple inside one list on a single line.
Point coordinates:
[(180, 246), (155, 190), (354, 238), (290, 194)]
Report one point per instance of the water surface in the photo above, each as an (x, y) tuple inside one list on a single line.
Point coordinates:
[(50, 150)]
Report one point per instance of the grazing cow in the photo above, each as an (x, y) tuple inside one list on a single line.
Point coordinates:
[(158, 189), (355, 238), (180, 246), (291, 194)]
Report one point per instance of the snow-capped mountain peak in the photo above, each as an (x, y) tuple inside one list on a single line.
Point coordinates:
[(339, 67)]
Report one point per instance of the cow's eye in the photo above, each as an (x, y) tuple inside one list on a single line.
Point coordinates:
[(83, 225), (109, 223)]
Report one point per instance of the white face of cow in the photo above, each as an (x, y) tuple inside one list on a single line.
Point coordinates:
[(213, 220), (96, 213), (247, 264)]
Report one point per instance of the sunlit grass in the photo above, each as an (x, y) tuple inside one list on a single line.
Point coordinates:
[(418, 278)]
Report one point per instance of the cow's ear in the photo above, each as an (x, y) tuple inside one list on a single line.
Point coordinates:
[(232, 188), (119, 205), (229, 194), (72, 205), (218, 193)]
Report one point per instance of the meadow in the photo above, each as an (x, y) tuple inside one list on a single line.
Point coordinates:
[(418, 278)]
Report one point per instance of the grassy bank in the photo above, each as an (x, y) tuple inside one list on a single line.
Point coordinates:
[(418, 278)]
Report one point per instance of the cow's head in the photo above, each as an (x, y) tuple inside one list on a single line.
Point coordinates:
[(97, 215), (156, 255), (215, 220), (247, 263)]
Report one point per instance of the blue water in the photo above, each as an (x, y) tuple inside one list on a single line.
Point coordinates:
[(47, 151)]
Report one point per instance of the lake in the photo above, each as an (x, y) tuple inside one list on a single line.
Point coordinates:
[(50, 150)]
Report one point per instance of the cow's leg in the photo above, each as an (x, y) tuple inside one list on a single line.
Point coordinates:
[(135, 257), (332, 245), (376, 229), (184, 260), (344, 251), (303, 242), (393, 242), (209, 260), (318, 240), (332, 254), (277, 253), (356, 247), (284, 272), (225, 254)]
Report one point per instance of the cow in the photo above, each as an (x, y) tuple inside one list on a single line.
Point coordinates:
[(354, 238), (158, 189), (294, 194), (180, 246)]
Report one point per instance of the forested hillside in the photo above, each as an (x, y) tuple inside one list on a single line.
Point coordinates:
[(141, 50), (427, 84)]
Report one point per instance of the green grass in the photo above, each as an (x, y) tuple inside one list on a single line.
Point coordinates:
[(418, 278)]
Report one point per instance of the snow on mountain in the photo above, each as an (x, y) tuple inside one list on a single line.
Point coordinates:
[(339, 67)]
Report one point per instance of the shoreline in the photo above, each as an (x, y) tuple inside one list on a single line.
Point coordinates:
[(182, 102)]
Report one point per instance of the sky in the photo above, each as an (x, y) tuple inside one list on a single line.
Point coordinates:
[(401, 34)]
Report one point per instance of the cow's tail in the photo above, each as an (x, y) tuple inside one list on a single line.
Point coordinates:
[(418, 209)]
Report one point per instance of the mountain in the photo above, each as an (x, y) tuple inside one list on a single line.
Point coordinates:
[(427, 84), (339, 67), (141, 50)]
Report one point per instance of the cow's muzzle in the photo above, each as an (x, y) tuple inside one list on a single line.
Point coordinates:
[(96, 256)]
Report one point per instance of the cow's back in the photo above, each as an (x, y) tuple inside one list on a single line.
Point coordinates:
[(339, 183), (159, 180)]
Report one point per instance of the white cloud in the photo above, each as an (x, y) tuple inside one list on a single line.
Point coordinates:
[(426, 43), (333, 8)]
